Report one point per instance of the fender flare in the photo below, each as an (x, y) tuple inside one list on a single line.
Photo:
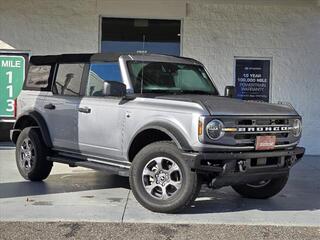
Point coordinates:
[(37, 117), (172, 131)]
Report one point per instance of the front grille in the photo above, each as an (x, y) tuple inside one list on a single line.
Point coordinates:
[(262, 122), (248, 129)]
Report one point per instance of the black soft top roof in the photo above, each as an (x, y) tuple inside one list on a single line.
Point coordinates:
[(107, 57), (72, 58)]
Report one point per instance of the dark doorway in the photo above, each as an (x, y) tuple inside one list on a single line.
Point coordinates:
[(127, 35)]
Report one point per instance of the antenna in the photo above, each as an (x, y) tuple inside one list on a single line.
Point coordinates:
[(143, 51)]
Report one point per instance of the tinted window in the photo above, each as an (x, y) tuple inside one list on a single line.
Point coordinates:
[(98, 74), (38, 76), (68, 79)]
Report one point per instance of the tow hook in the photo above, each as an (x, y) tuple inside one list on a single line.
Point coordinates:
[(291, 161), (242, 166)]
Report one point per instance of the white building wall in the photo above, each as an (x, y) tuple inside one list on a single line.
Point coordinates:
[(214, 32)]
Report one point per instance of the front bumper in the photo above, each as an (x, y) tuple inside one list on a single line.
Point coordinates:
[(231, 168)]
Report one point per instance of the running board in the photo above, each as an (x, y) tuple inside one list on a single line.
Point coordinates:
[(73, 162)]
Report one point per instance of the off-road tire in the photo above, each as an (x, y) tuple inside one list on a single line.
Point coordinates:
[(40, 167), (190, 183), (273, 187)]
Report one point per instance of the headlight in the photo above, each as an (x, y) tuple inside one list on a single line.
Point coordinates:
[(297, 127), (214, 129)]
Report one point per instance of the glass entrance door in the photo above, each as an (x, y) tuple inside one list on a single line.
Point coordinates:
[(127, 35)]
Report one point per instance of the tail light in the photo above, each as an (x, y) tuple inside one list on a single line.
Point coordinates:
[(15, 108)]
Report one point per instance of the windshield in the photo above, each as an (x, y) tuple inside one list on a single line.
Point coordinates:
[(164, 77)]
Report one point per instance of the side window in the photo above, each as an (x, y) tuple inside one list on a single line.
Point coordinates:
[(38, 76), (68, 79), (99, 73)]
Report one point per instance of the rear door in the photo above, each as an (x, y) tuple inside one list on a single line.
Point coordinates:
[(36, 89), (101, 117), (61, 108)]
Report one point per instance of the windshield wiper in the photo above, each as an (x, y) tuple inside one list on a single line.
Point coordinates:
[(156, 91), (178, 92), (196, 92)]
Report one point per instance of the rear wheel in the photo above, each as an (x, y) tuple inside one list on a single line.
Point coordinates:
[(31, 155), (262, 189), (161, 180)]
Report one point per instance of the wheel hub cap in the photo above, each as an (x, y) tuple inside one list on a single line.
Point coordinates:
[(162, 178), (27, 154)]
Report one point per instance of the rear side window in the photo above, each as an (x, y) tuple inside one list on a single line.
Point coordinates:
[(100, 73), (68, 79), (38, 76)]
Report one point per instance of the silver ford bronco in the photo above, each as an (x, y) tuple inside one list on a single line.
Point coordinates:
[(159, 120)]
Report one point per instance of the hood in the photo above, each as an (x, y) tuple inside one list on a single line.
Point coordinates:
[(218, 105)]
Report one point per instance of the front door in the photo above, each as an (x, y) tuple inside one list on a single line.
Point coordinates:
[(101, 117)]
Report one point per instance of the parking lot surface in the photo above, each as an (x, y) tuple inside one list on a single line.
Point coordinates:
[(82, 195), (136, 231)]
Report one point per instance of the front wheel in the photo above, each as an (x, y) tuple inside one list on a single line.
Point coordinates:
[(161, 180), (262, 189)]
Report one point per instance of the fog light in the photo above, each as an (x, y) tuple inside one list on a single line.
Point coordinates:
[(214, 129)]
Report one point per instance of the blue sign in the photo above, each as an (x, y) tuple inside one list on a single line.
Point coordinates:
[(252, 79)]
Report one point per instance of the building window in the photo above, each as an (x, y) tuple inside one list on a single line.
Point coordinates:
[(127, 35)]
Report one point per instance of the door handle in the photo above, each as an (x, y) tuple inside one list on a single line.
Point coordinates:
[(50, 106), (84, 110)]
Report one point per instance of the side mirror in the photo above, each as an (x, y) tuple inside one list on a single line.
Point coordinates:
[(112, 88), (229, 91)]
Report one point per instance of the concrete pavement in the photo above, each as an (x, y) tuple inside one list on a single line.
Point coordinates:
[(134, 231), (77, 194)]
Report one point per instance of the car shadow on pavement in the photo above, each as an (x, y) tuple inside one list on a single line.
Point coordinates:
[(64, 183), (295, 197), (226, 200)]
